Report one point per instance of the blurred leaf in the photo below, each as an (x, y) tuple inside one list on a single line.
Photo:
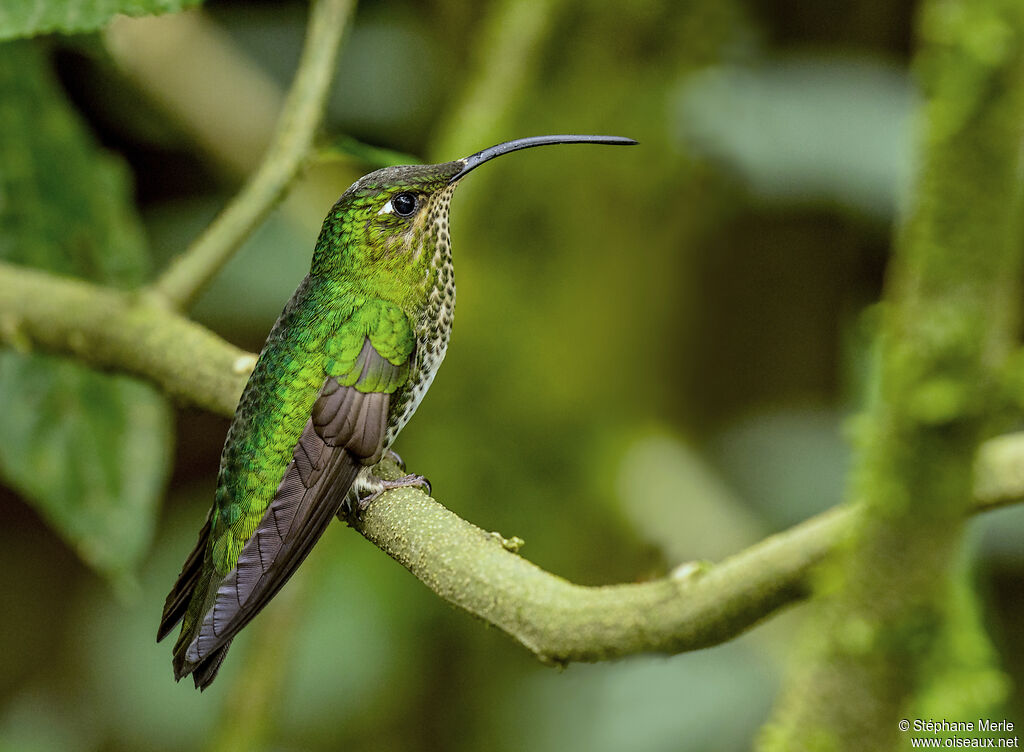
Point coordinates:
[(89, 450), (25, 18), (374, 157), (806, 129), (65, 204)]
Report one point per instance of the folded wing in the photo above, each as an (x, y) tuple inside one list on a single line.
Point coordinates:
[(344, 433)]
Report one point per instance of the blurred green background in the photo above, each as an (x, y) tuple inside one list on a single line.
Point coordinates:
[(654, 354)]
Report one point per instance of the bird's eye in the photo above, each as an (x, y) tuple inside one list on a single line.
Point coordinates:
[(404, 204)]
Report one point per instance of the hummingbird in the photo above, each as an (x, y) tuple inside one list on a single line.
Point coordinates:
[(342, 371)]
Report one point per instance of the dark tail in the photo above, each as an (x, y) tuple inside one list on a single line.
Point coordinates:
[(188, 583), (181, 594), (204, 672)]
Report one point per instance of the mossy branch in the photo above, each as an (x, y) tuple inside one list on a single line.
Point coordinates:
[(559, 621), (949, 326), (122, 331), (301, 114)]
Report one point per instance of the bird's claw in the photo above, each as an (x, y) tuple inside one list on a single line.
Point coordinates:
[(406, 481), (396, 458)]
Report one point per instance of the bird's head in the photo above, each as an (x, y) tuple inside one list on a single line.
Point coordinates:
[(392, 224)]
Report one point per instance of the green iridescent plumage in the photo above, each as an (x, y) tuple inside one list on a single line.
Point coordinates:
[(292, 370), (342, 371)]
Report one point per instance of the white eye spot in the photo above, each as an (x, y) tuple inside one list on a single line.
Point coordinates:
[(387, 208)]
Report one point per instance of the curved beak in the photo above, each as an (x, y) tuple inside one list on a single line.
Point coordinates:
[(474, 161)]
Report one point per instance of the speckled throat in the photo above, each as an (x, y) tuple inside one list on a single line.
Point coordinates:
[(434, 323)]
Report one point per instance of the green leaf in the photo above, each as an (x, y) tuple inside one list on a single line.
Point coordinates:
[(26, 18), (90, 451)]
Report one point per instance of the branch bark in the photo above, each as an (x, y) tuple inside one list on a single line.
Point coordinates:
[(559, 621), (122, 331), (696, 606)]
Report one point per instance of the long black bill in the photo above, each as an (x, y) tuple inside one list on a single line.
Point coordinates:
[(471, 163)]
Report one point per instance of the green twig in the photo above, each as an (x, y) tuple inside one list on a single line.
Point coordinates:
[(504, 56), (303, 110)]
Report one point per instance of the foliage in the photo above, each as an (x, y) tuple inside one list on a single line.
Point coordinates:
[(90, 450), (25, 18)]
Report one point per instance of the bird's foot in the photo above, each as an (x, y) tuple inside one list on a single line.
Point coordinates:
[(368, 486), (406, 481)]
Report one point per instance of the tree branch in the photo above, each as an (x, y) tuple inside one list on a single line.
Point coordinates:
[(121, 331), (695, 607), (190, 272)]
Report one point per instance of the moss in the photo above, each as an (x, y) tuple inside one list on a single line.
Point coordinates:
[(891, 615)]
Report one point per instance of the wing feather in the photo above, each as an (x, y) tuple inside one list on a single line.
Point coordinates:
[(344, 433)]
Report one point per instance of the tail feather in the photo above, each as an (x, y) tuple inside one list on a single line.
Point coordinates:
[(181, 594), (204, 672), (190, 582)]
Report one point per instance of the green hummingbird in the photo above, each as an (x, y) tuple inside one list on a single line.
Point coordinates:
[(343, 369)]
